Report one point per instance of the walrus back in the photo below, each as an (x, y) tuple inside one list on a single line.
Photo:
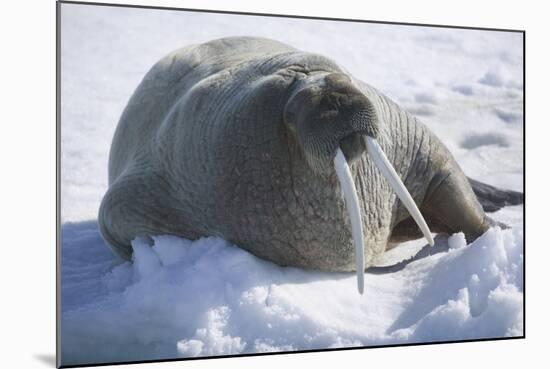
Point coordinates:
[(167, 81)]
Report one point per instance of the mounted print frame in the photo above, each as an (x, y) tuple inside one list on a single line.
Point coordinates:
[(236, 184)]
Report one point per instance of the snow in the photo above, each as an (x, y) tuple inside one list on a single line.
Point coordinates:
[(457, 240), (182, 298)]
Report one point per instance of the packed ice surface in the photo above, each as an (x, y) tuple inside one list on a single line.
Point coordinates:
[(184, 298)]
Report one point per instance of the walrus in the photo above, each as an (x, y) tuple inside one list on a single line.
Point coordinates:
[(253, 141)]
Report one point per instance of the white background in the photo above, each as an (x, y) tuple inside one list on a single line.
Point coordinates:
[(28, 182)]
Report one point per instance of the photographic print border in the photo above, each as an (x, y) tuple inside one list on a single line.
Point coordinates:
[(59, 25)]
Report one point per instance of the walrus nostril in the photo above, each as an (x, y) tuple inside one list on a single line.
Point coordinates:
[(353, 146)]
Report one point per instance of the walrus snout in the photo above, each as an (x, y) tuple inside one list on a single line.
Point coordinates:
[(326, 112)]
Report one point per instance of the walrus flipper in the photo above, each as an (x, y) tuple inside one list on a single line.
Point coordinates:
[(139, 203), (493, 198), (452, 208)]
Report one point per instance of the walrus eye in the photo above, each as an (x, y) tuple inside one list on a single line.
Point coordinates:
[(329, 114)]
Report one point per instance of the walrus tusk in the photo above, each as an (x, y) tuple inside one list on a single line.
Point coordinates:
[(382, 163), (352, 202), (354, 212)]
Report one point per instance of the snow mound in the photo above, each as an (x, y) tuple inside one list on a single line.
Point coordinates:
[(182, 298)]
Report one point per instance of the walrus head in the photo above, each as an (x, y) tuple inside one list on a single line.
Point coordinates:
[(326, 112), (335, 124)]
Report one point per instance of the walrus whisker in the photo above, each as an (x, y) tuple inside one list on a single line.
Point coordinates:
[(354, 212), (383, 164)]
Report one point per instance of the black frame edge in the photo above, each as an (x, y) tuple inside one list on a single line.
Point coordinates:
[(58, 183)]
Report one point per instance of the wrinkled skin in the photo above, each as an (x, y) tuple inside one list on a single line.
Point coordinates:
[(235, 138)]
